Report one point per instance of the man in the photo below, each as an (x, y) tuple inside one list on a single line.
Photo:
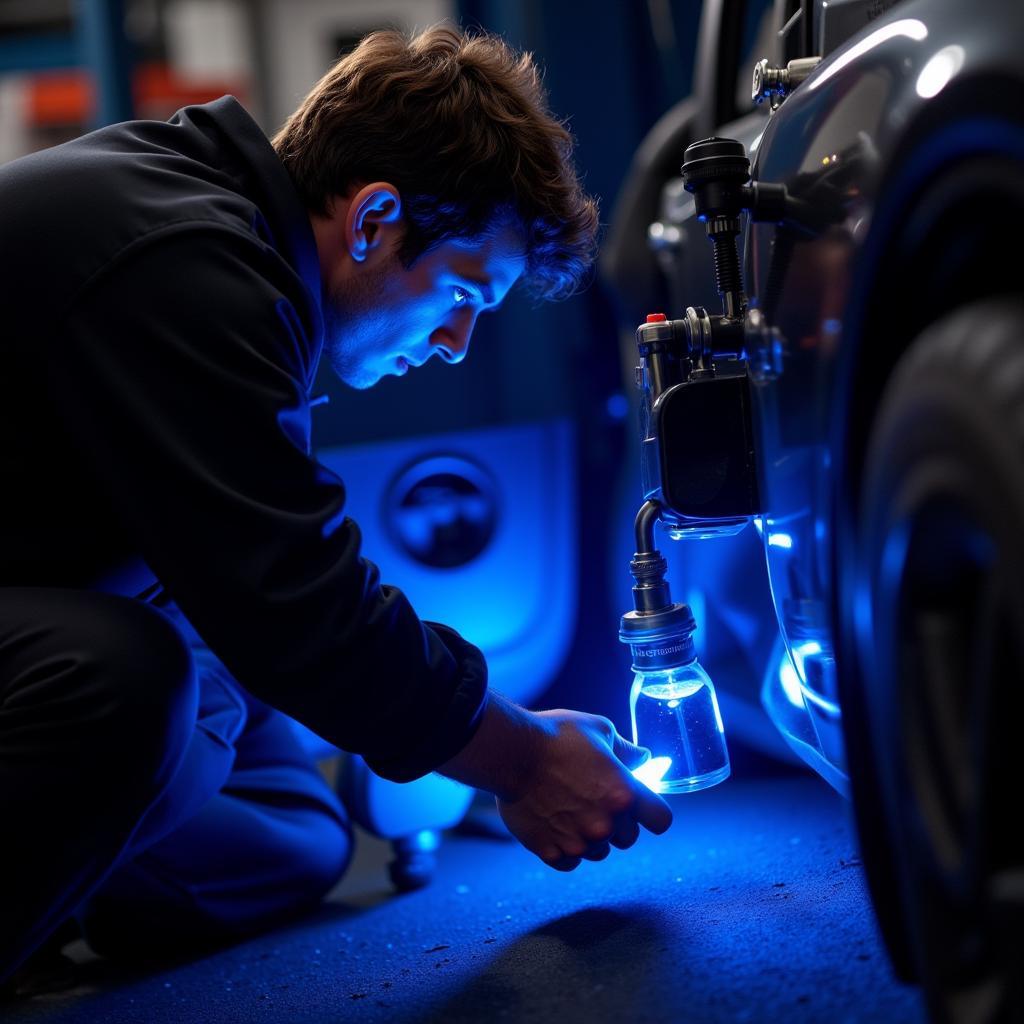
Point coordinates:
[(176, 569)]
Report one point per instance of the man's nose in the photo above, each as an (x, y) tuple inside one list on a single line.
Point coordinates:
[(452, 342)]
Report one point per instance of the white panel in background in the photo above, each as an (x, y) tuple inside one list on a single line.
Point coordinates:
[(209, 39), (303, 35), (14, 139)]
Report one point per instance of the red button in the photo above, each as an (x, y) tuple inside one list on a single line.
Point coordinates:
[(656, 318)]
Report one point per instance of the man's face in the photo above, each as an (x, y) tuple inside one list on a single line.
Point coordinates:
[(386, 319)]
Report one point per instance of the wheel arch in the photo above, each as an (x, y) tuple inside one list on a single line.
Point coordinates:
[(900, 289), (936, 230)]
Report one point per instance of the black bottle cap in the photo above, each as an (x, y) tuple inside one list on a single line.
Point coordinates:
[(659, 640)]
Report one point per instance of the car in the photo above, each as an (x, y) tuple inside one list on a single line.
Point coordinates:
[(836, 260)]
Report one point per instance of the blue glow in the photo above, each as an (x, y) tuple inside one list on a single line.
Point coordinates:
[(863, 617), (517, 598), (718, 715), (800, 652), (793, 678), (652, 771), (780, 540), (807, 647), (334, 522), (790, 681), (812, 736), (817, 700), (617, 406), (675, 715), (698, 605)]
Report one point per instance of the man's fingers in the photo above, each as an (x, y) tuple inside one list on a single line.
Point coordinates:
[(651, 811), (565, 864), (628, 753), (597, 851), (625, 832)]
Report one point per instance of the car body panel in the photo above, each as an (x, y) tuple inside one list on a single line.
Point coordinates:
[(837, 141)]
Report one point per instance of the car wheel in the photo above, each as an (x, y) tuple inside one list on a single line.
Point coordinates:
[(938, 616)]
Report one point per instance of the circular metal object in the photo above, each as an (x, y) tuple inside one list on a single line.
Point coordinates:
[(442, 510)]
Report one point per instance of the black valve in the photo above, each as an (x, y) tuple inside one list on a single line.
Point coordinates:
[(715, 171), (698, 463)]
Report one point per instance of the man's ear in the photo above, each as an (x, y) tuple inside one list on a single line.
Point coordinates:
[(369, 211)]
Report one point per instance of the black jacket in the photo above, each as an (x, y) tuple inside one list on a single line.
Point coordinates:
[(161, 327)]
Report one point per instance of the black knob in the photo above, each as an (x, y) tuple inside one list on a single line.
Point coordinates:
[(715, 158)]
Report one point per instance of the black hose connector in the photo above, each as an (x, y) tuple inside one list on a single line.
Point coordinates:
[(648, 566)]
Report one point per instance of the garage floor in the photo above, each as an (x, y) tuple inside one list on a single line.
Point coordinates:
[(751, 908)]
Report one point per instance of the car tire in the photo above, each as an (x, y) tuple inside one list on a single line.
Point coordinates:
[(937, 613)]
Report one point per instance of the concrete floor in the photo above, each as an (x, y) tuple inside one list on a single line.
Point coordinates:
[(751, 908)]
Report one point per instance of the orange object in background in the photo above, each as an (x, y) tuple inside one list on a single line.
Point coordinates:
[(59, 98), (67, 98)]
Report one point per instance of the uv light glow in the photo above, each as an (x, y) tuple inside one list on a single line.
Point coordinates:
[(652, 771)]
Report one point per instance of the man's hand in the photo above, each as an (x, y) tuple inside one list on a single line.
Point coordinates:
[(563, 782)]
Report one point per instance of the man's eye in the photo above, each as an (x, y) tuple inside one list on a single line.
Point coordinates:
[(461, 296)]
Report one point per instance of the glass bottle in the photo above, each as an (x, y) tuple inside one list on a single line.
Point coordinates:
[(672, 703)]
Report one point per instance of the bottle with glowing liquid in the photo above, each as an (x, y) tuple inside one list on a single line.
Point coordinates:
[(672, 704)]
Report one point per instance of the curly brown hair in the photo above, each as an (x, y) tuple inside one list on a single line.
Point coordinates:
[(459, 123)]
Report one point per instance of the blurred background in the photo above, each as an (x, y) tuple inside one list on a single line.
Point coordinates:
[(500, 496)]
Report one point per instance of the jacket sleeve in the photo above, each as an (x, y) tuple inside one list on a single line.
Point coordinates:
[(182, 372)]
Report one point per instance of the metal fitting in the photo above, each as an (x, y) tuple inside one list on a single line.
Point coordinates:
[(775, 84)]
